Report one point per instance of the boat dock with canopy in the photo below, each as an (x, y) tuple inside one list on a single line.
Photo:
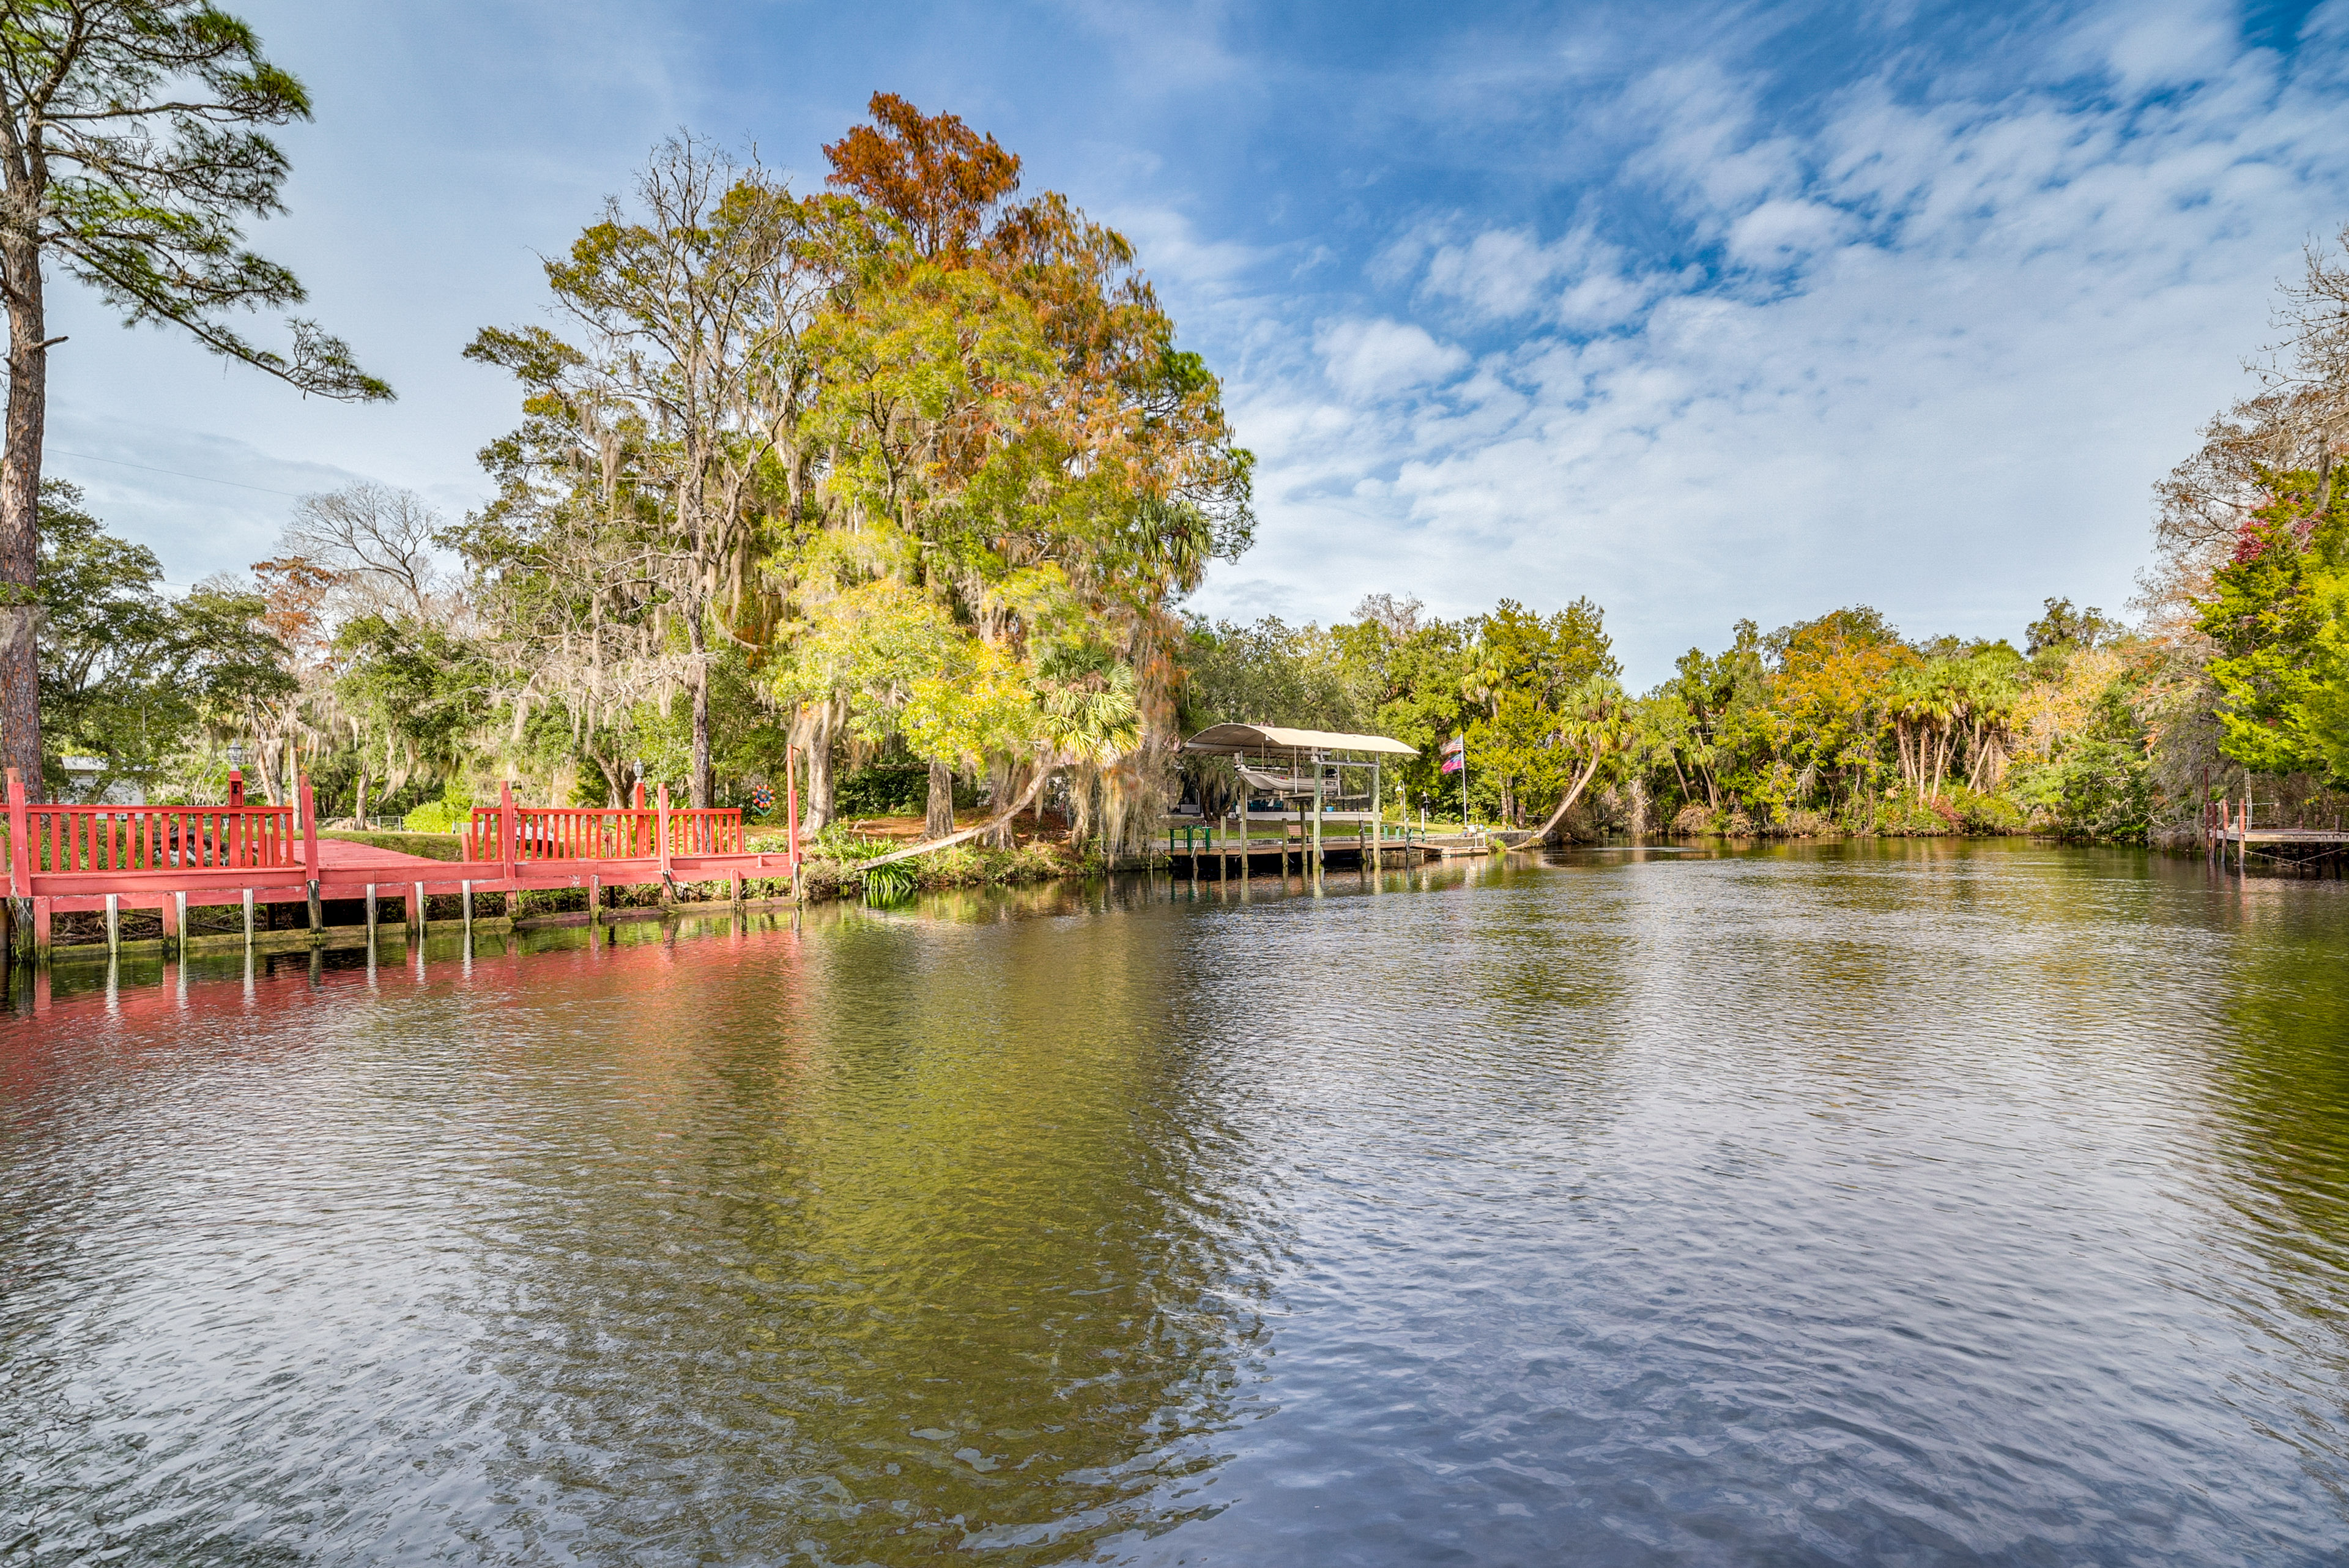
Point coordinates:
[(1321, 788)]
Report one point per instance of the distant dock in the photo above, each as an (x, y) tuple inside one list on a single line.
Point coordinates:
[(2230, 827), (1211, 849)]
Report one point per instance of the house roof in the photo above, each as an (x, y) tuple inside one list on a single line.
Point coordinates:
[(1254, 739)]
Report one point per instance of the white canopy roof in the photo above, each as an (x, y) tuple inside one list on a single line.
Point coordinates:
[(1252, 740)]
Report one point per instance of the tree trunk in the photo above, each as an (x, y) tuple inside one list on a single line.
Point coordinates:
[(699, 783), (359, 806), (811, 734), (1001, 776), (938, 819), (1572, 794), (1080, 804), (20, 526)]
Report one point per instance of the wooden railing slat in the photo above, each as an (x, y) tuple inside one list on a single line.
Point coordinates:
[(577, 833), (136, 838)]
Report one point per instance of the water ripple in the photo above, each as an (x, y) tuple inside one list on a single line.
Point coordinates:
[(1900, 1204)]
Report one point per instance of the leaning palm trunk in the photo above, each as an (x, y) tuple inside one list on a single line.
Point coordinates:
[(1572, 794), (1001, 820)]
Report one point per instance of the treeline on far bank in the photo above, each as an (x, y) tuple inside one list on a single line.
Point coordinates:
[(1836, 724), (2232, 684)]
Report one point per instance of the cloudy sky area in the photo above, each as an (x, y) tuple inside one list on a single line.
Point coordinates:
[(1707, 311)]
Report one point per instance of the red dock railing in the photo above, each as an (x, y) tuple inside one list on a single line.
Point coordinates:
[(568, 833), (154, 838), (62, 859)]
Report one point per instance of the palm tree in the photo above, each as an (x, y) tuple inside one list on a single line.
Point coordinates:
[(1992, 688), (1923, 709), (1595, 722)]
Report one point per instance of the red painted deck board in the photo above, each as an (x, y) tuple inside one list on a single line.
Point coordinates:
[(341, 855)]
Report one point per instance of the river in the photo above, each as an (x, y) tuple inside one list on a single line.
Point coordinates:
[(1908, 1203)]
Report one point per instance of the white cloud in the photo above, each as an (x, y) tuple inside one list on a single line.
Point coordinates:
[(1375, 358), (1500, 273), (1781, 233), (1947, 346), (2144, 48)]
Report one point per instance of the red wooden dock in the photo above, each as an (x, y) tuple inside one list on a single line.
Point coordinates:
[(67, 858)]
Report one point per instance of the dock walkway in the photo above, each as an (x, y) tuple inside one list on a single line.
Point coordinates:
[(70, 859), (2318, 850)]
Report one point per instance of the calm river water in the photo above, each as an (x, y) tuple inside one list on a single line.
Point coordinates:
[(1902, 1204)]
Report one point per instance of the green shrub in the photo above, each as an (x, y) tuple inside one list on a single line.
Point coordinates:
[(2100, 789), (1695, 818), (1988, 814), (450, 814), (894, 789), (1957, 811), (1903, 816)]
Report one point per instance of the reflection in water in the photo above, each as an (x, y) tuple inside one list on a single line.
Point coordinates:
[(1912, 1202)]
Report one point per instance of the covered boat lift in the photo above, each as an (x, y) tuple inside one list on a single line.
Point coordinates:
[(1308, 772)]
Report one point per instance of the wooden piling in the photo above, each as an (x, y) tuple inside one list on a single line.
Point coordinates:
[(310, 854), (20, 870), (1317, 818)]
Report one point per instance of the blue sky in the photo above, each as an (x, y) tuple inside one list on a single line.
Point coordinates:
[(1706, 311)]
